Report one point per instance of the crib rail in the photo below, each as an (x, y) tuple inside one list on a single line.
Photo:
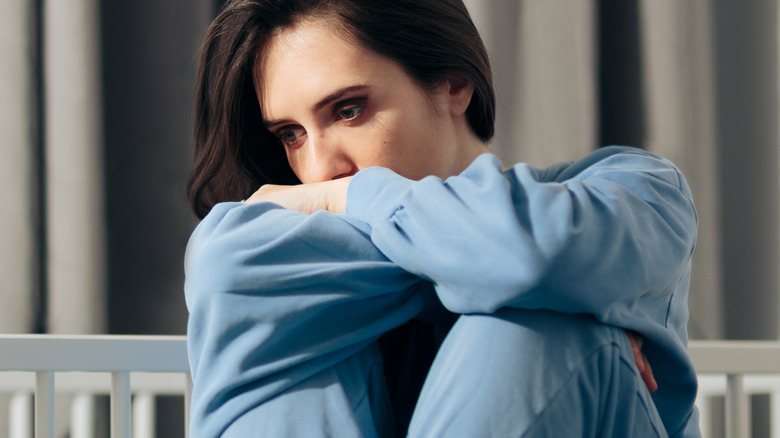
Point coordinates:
[(737, 369), (157, 365), (72, 362)]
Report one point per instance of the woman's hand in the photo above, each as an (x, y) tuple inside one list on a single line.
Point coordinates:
[(307, 198), (641, 361)]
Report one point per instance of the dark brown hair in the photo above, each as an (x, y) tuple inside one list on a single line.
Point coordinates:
[(234, 154)]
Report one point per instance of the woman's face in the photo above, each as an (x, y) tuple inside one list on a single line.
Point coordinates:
[(338, 108)]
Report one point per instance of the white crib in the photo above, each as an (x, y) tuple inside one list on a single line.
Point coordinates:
[(736, 370), (134, 369)]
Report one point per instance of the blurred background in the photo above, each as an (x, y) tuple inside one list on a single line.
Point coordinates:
[(96, 123)]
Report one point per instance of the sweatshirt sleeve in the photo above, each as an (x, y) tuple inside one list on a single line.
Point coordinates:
[(275, 297), (599, 236)]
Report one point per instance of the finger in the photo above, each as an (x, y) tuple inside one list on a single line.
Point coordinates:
[(640, 361), (636, 348), (648, 377)]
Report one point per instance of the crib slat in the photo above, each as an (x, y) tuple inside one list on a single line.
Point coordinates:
[(120, 405), (187, 398), (704, 405), (44, 404), (774, 416), (82, 416), (20, 416), (143, 415), (737, 424)]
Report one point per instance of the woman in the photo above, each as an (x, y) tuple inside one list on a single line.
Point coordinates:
[(316, 308)]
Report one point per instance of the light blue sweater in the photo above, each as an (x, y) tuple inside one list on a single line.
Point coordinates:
[(282, 302)]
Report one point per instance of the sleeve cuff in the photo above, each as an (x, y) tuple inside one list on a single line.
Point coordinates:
[(373, 194)]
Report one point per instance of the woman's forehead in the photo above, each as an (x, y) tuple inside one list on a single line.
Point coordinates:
[(307, 36), (305, 62)]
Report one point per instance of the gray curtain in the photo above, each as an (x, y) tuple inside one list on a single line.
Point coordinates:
[(18, 251), (96, 119), (95, 112)]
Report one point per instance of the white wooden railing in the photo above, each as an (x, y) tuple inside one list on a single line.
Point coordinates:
[(133, 369), (736, 370)]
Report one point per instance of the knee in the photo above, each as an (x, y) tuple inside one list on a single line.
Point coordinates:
[(521, 364), (528, 348), (532, 351), (559, 337)]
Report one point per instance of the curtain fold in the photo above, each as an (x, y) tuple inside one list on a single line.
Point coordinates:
[(543, 56), (556, 72), (75, 215), (679, 90), (746, 114), (18, 242)]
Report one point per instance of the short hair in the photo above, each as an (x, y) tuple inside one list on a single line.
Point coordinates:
[(432, 40)]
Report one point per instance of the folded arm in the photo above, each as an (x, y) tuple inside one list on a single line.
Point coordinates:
[(276, 296), (607, 232)]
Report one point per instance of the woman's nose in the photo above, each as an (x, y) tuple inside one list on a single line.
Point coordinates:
[(326, 159)]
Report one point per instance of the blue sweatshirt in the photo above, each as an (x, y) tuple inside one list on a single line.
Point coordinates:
[(280, 299)]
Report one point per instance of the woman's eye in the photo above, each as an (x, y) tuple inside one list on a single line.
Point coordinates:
[(290, 137), (349, 113)]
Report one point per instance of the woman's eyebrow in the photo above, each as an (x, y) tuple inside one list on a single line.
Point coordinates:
[(336, 95)]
